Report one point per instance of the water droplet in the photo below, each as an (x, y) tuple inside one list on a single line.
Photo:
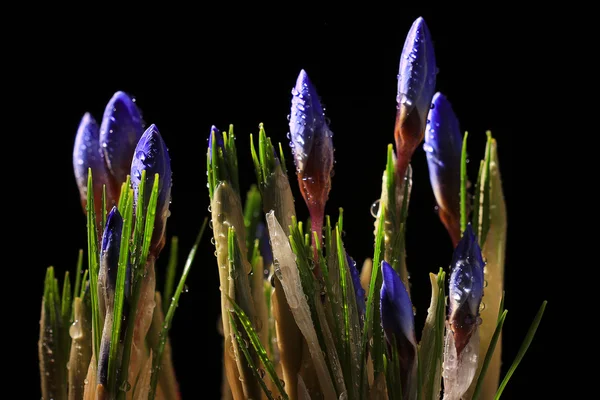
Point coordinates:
[(481, 306), (85, 381), (375, 208), (125, 386), (261, 372), (186, 289)]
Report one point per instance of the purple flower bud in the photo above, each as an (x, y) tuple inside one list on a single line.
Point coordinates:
[(120, 131), (218, 137), (443, 147), (87, 154), (416, 85), (151, 155), (358, 289), (109, 256), (397, 319), (311, 141), (466, 289)]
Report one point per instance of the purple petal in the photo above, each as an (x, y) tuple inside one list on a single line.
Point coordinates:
[(151, 154), (312, 145), (109, 256), (466, 288), (397, 319), (443, 146), (87, 154), (417, 72), (358, 290), (218, 137), (397, 315), (307, 121), (120, 131)]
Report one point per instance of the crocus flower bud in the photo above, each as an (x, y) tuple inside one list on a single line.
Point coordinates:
[(120, 131), (443, 147), (151, 155), (358, 289), (416, 85), (109, 259), (397, 319), (466, 289), (88, 154), (219, 140), (312, 145)]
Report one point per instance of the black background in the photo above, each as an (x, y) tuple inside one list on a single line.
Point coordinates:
[(200, 67)]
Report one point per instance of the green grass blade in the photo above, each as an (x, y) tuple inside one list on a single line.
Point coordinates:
[(149, 228), (124, 194), (463, 185), (282, 159), (139, 220), (523, 349), (120, 295), (171, 269), (345, 307), (489, 354), (137, 275), (66, 301), (156, 361), (243, 346), (477, 201), (77, 287), (93, 264), (260, 178), (252, 216), (260, 350), (372, 304), (103, 206), (84, 284), (487, 188)]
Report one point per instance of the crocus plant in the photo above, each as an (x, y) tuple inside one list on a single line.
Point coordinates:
[(298, 318)]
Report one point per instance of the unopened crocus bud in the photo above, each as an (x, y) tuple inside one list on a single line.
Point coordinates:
[(218, 138), (120, 132), (358, 290), (312, 145), (88, 154), (443, 146), (397, 319), (466, 289), (151, 155), (416, 85), (109, 257)]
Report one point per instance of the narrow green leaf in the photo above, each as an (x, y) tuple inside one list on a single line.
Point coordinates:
[(120, 295), (77, 288), (260, 350), (232, 161), (489, 353), (243, 346), (477, 202), (66, 301), (210, 173), (139, 220), (260, 178), (463, 185), (252, 216), (156, 361), (372, 311), (137, 275), (93, 264), (171, 269), (523, 349), (487, 188), (344, 287), (282, 159), (103, 206), (124, 194), (84, 283)]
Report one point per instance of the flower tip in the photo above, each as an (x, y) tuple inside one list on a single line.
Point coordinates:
[(114, 225), (214, 130), (417, 72), (396, 308), (120, 131)]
